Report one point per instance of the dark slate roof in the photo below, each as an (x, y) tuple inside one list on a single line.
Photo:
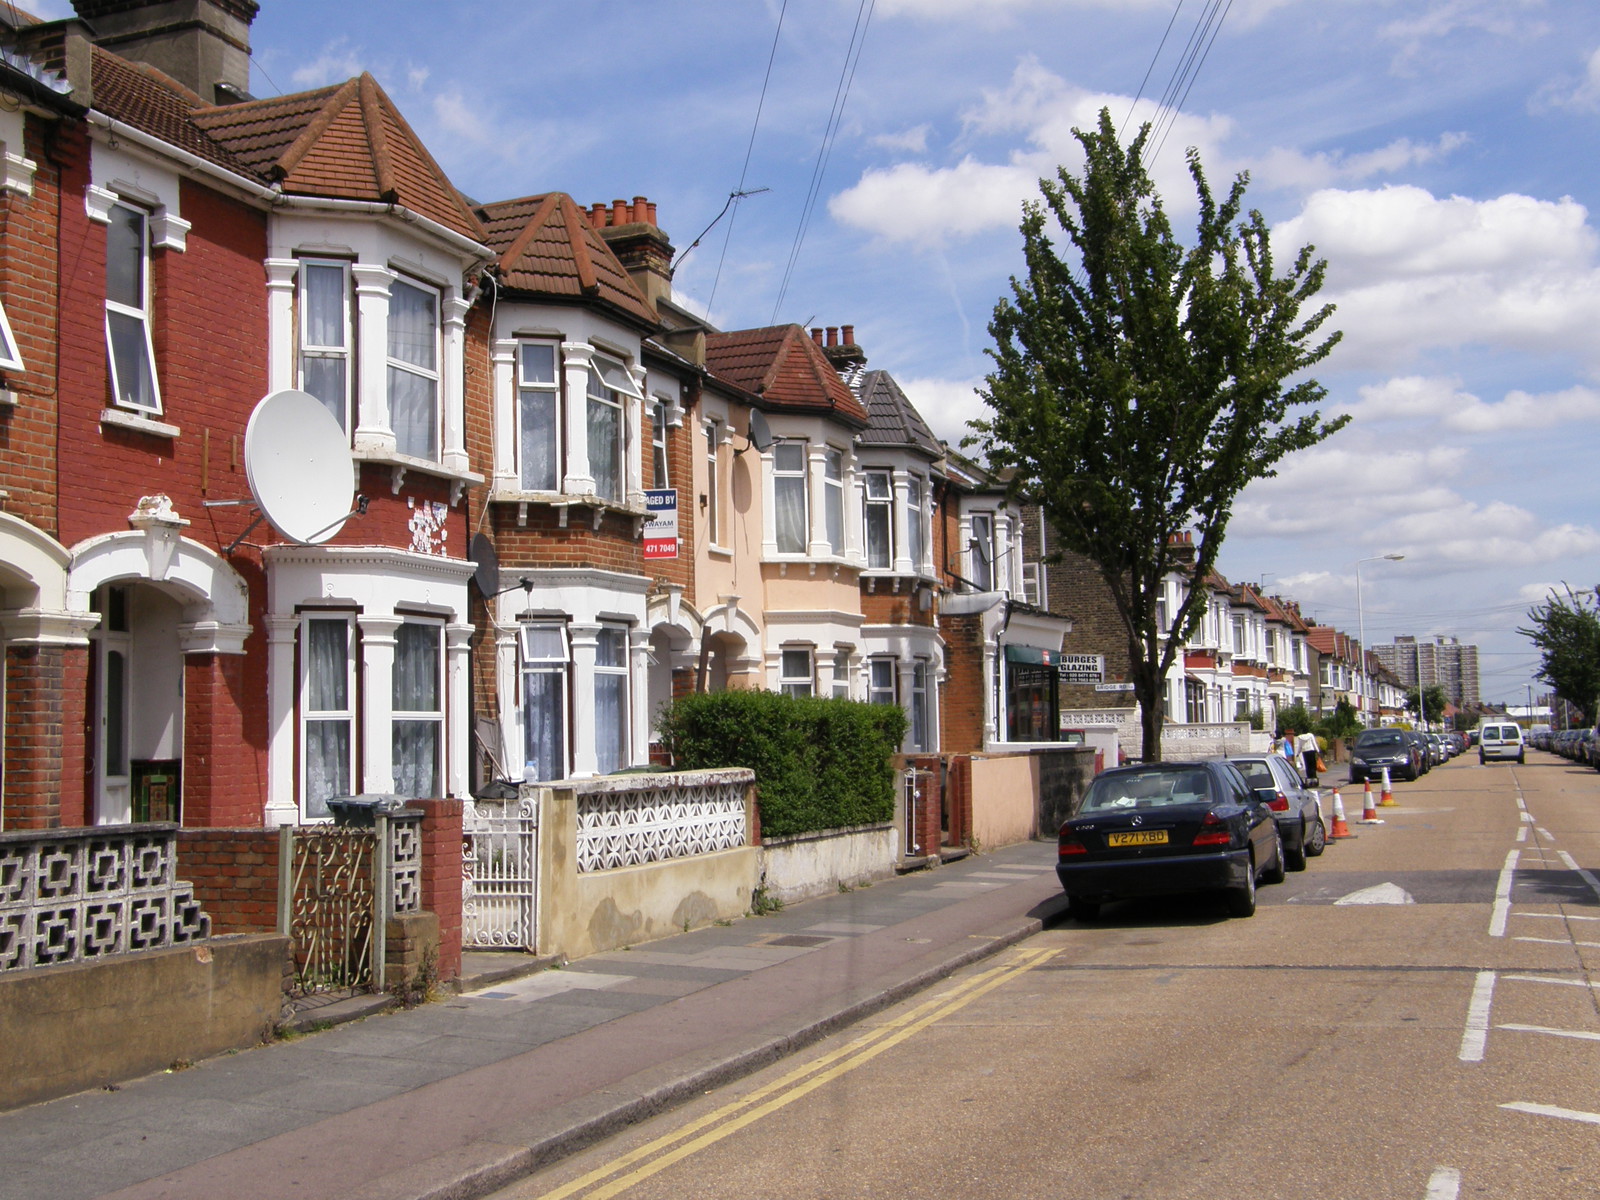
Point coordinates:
[(892, 420), (547, 247), (782, 365)]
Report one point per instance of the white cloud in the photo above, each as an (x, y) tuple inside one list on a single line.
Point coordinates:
[(1582, 93), (1411, 272), (946, 405), (1243, 11), (1284, 168), (912, 141), (335, 64), (1419, 35), (416, 77), (1412, 397)]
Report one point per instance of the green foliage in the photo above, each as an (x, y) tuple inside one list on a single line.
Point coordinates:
[(1567, 633), (1296, 717), (819, 764), (1342, 722), (1257, 718), (1139, 384), (1435, 701)]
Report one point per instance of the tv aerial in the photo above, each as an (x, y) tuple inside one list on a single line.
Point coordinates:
[(298, 465)]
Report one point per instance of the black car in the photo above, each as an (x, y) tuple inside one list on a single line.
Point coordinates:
[(1293, 802), (1162, 828), (1375, 749)]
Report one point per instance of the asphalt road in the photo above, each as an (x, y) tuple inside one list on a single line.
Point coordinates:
[(1414, 1017)]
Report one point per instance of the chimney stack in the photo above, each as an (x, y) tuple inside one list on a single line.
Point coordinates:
[(203, 44), (843, 353), (638, 243)]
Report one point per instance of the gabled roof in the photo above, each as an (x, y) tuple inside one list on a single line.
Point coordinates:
[(783, 366), (156, 104), (346, 143), (547, 247), (892, 420)]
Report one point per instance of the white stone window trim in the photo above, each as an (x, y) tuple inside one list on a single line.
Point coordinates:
[(306, 714), (304, 347), (144, 315), (168, 231)]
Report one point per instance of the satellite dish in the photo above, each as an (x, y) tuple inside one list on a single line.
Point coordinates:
[(483, 557), (760, 435), (297, 460)]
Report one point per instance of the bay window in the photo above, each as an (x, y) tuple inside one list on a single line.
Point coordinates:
[(544, 701), (833, 498), (658, 444), (915, 526), (611, 699), (418, 710), (129, 347), (538, 418), (841, 674), (919, 705), (325, 335), (982, 551), (413, 369), (608, 388), (791, 515), (327, 672), (880, 681)]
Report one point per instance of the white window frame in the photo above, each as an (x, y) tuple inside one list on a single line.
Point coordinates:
[(800, 476), (309, 715), (660, 467), (433, 375), (533, 662), (833, 498), (883, 680), (425, 716), (791, 681), (982, 541), (918, 710), (141, 314), (713, 429), (916, 522), (619, 670), (551, 388), (609, 386), (305, 348), (882, 507), (10, 352), (841, 673)]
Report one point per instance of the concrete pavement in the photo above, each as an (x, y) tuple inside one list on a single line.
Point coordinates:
[(459, 1097)]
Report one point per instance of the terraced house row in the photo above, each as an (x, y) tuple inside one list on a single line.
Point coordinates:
[(572, 499)]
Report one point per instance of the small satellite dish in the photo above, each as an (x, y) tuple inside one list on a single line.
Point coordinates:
[(760, 435), (297, 460), (482, 555)]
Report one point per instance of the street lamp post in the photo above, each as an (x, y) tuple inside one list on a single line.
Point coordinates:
[(1361, 618)]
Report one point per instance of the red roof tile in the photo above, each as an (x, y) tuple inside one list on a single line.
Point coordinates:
[(782, 365), (548, 248)]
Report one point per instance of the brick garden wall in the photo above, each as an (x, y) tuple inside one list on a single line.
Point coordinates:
[(235, 876)]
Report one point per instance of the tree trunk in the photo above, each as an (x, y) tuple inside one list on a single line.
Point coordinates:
[(1151, 716)]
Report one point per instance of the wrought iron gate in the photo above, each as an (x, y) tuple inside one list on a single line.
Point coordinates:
[(500, 873)]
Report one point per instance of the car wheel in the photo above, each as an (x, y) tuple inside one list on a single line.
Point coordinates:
[(1274, 873), (1082, 909), (1295, 857), (1318, 839), (1521, 758), (1242, 900)]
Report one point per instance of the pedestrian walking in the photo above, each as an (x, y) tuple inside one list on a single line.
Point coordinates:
[(1286, 744), (1310, 755)]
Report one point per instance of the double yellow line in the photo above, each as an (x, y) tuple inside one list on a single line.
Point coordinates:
[(706, 1131)]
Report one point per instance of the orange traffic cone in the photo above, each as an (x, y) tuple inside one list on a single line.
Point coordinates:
[(1369, 815), (1340, 828), (1388, 790)]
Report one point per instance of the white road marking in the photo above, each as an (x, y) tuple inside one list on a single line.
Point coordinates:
[(1583, 983), (1378, 893), (1555, 941), (1582, 1035), (1550, 1110), (1502, 895), (1520, 804), (1587, 877), (1555, 916), (1527, 817), (1477, 1031), (1444, 1184), (1544, 833), (1522, 833)]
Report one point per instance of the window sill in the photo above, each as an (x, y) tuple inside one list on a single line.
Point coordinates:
[(123, 419), (400, 464), (566, 500)]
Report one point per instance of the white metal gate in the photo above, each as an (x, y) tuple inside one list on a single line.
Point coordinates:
[(500, 873)]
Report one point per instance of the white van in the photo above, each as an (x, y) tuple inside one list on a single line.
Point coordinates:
[(1500, 739)]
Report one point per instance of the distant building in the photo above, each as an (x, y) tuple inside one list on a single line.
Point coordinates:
[(1444, 661)]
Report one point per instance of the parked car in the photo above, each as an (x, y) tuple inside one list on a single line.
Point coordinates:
[(1419, 744), (1164, 828), (1441, 752), (1500, 740), (1293, 802), (1375, 749)]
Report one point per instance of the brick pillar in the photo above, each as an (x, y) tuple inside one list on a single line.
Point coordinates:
[(222, 783), (33, 737), (441, 877), (958, 801), (77, 763)]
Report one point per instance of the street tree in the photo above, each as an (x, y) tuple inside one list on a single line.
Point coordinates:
[(1140, 385), (1434, 700), (1567, 634)]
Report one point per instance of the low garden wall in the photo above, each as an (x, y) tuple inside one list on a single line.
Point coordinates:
[(1004, 804), (804, 866)]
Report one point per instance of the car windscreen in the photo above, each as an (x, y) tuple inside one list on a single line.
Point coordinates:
[(1158, 787), (1374, 739)]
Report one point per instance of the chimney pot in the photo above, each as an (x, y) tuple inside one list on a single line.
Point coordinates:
[(619, 212), (597, 215), (833, 335), (848, 332), (650, 212), (816, 336), (641, 210)]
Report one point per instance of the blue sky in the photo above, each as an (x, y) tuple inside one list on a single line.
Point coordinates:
[(1439, 153)]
